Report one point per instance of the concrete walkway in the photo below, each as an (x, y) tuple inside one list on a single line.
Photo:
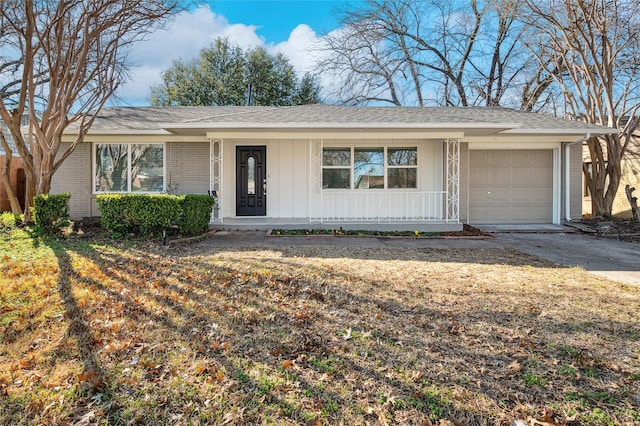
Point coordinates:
[(612, 259)]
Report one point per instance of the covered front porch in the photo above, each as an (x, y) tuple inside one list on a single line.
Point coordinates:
[(430, 204), (265, 224)]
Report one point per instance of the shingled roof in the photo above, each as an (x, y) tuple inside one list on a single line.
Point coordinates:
[(139, 119)]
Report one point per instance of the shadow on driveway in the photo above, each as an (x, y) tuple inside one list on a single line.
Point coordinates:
[(612, 259)]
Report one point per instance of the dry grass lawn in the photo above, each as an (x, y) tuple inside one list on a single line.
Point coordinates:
[(97, 332)]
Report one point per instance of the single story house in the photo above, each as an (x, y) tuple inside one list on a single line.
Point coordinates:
[(325, 165)]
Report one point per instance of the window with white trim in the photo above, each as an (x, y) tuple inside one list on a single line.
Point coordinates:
[(369, 168), (128, 167), (336, 168)]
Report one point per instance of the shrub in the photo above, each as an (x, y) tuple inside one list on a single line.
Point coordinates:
[(146, 214), (9, 221), (51, 213), (195, 213), (112, 217)]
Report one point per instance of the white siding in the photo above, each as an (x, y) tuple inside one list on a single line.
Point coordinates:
[(287, 177), (288, 171), (575, 186)]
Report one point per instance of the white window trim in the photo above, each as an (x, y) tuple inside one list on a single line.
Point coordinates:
[(386, 167), (128, 191)]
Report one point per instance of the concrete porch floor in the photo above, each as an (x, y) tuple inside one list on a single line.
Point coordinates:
[(254, 223)]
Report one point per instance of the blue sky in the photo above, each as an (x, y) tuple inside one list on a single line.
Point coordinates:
[(277, 19), (291, 27)]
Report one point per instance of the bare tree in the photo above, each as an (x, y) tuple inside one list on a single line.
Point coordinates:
[(70, 56), (434, 52), (594, 44)]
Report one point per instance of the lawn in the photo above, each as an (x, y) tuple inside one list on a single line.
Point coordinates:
[(94, 331)]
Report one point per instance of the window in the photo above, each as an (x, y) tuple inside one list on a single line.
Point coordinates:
[(369, 168), (336, 168), (129, 168), (251, 175), (403, 167)]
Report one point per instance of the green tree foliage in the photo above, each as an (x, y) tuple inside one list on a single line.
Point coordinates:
[(223, 73)]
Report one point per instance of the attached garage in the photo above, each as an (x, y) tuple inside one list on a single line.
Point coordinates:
[(511, 186)]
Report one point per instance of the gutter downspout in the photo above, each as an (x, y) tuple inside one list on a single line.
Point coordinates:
[(567, 161)]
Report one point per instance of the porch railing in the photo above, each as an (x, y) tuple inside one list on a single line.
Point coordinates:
[(381, 206)]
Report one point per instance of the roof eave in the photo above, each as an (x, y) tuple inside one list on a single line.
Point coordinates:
[(577, 131)]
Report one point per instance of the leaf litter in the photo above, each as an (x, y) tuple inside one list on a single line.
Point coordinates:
[(145, 334)]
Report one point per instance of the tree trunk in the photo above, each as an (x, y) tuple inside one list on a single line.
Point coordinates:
[(604, 177), (6, 176), (6, 179), (633, 201)]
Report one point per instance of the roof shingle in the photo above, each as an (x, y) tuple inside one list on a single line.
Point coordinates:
[(155, 118)]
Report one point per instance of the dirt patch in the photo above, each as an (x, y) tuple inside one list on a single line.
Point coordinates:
[(620, 229)]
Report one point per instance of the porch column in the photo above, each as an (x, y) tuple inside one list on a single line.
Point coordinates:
[(315, 181), (453, 180), (215, 178)]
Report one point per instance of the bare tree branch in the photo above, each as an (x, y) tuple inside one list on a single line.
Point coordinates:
[(591, 42), (70, 57)]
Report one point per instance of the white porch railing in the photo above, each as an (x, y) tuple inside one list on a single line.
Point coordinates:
[(381, 206)]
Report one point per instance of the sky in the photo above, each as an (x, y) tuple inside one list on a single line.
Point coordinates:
[(291, 27)]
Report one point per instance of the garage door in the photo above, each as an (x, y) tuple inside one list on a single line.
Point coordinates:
[(510, 186)]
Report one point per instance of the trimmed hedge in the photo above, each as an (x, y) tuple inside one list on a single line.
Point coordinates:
[(51, 213), (196, 213), (150, 214)]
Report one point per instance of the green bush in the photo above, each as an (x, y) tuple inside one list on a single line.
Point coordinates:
[(150, 214), (146, 214), (195, 213), (51, 213), (112, 217)]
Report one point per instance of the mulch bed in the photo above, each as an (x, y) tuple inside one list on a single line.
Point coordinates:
[(620, 229)]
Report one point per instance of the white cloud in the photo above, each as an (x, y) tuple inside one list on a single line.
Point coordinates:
[(303, 48), (300, 48), (190, 32), (183, 39)]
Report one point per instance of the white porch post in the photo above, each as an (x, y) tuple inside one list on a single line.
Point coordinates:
[(453, 180), (315, 181), (215, 178)]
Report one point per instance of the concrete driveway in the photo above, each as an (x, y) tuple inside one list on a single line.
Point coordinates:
[(612, 259), (609, 258)]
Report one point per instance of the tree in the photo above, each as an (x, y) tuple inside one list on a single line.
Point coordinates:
[(433, 52), (225, 74), (69, 57), (595, 43)]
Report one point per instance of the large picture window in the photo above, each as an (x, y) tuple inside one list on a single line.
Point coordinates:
[(129, 168), (369, 168)]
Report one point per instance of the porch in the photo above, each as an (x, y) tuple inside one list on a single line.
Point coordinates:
[(429, 202), (265, 224)]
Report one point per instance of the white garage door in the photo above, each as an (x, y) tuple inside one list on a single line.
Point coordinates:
[(510, 186)]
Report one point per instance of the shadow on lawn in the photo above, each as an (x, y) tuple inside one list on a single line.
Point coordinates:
[(94, 379), (176, 316), (270, 318)]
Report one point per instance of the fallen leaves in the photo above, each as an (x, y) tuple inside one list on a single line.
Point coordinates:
[(313, 335)]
